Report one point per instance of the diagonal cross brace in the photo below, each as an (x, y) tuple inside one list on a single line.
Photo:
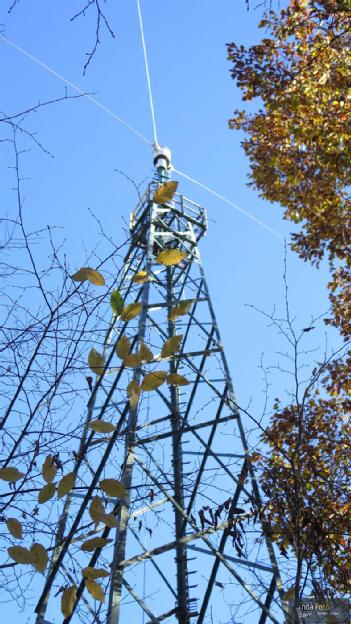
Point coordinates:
[(209, 544)]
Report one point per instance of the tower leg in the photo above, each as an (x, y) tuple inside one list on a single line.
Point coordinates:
[(181, 557)]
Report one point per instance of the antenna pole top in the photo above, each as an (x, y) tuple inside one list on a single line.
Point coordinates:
[(162, 159)]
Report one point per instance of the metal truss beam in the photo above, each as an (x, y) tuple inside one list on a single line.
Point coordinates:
[(241, 561), (166, 487), (219, 555)]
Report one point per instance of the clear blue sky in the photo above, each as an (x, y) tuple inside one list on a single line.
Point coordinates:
[(194, 98)]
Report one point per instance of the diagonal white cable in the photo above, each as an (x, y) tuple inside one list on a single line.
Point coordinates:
[(147, 73), (76, 88), (138, 134), (229, 202)]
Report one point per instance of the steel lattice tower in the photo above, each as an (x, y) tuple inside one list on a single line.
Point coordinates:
[(190, 521)]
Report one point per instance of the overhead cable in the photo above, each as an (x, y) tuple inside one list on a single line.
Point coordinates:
[(76, 88), (229, 202), (147, 73)]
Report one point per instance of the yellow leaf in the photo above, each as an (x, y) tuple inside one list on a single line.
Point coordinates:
[(15, 527), (113, 488), (46, 493), (49, 469), (169, 257), (133, 390), (10, 474), (68, 600), (145, 353), (171, 346), (38, 557), (131, 311), (108, 520), (96, 362), (96, 542), (96, 509), (94, 573), (177, 380), (100, 426), (289, 594), (165, 192), (179, 310), (132, 360), (140, 278), (66, 484), (95, 590), (90, 275), (153, 380), (19, 554), (123, 347)]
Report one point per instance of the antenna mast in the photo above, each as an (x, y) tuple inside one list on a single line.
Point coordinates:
[(189, 514)]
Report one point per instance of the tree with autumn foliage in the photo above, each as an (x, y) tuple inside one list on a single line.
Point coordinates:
[(298, 141)]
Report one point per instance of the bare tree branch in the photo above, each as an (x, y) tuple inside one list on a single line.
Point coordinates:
[(100, 20)]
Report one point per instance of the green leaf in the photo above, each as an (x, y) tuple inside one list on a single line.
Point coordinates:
[(116, 302)]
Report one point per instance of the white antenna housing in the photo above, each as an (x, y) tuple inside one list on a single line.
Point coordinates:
[(162, 157)]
